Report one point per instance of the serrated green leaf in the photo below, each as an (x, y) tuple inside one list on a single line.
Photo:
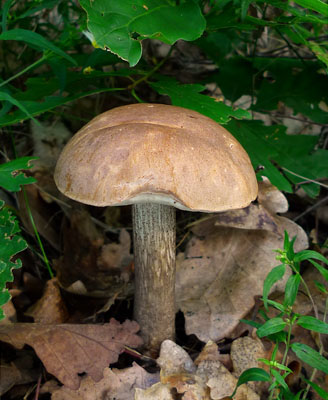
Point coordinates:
[(120, 26), (274, 325), (291, 289), (265, 144), (11, 177), (313, 324), (10, 244), (273, 276), (36, 40), (300, 86), (189, 96), (308, 355)]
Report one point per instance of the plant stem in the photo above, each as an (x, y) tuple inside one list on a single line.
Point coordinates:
[(45, 258), (157, 66), (31, 66)]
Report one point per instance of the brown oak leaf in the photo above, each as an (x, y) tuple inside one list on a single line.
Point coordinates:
[(68, 350)]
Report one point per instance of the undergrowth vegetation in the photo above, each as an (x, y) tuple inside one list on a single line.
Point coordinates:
[(257, 67)]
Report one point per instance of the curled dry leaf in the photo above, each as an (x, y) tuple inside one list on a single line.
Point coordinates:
[(69, 350), (225, 265), (116, 384), (207, 379)]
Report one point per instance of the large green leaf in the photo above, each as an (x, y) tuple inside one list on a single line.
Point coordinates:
[(119, 26), (189, 96), (299, 85), (269, 145)]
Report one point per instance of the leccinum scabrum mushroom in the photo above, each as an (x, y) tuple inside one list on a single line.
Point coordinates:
[(156, 157)]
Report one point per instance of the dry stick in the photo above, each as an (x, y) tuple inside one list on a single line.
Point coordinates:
[(304, 177), (316, 205)]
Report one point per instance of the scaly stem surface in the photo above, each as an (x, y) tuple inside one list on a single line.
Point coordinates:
[(154, 253)]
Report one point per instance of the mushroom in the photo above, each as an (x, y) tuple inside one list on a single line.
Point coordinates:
[(157, 158)]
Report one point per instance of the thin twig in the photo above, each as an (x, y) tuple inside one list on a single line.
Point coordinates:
[(316, 205), (304, 177)]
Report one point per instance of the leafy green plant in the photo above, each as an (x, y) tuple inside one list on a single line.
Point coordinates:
[(279, 328), (274, 52), (11, 243)]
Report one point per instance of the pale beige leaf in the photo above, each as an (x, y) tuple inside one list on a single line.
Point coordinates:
[(116, 384), (225, 266)]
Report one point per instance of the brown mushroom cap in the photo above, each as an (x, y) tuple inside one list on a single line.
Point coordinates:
[(156, 153)]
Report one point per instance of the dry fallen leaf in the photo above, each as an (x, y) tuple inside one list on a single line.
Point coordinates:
[(88, 265), (225, 266), (116, 384), (206, 379), (19, 372), (50, 309), (69, 350)]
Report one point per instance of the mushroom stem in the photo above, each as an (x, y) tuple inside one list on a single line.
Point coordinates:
[(154, 254)]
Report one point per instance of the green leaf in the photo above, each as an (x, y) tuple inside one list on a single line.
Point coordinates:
[(276, 305), (5, 10), (321, 287), (188, 96), (274, 325), (308, 355), (10, 244), (11, 177), (35, 40), (310, 254), (279, 378), (323, 271), (313, 324), (251, 323), (51, 102), (321, 392), (250, 375), (298, 85), (4, 96), (291, 289), (273, 276), (119, 26), (225, 78), (268, 144), (319, 51), (315, 5)]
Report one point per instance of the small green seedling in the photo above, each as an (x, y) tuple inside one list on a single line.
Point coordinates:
[(279, 328)]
